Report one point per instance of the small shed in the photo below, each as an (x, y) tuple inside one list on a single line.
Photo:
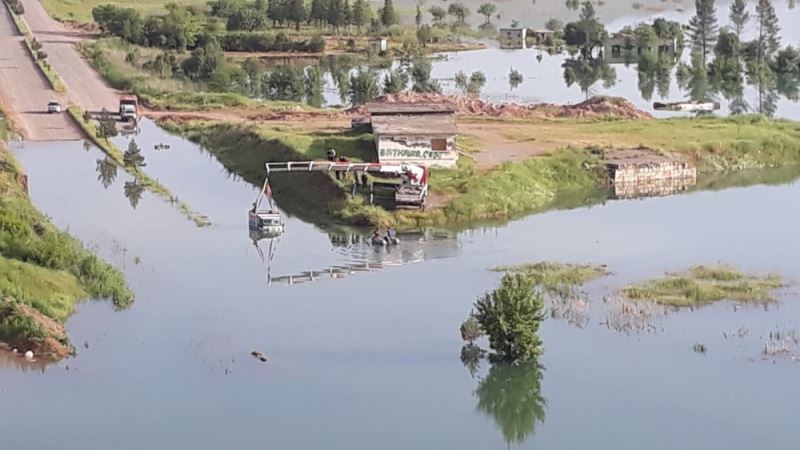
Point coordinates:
[(513, 38), (419, 133), (378, 44)]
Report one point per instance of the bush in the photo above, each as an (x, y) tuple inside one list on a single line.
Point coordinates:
[(510, 316), (16, 7), (243, 41)]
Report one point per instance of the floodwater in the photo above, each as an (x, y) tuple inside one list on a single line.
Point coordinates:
[(367, 355)]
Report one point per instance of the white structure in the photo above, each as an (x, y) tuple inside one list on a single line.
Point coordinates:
[(378, 44), (513, 38)]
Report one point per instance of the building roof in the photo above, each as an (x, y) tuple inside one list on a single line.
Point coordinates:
[(437, 125), (384, 109)]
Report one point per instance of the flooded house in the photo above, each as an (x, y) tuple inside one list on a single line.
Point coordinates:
[(625, 47), (417, 133), (513, 38)]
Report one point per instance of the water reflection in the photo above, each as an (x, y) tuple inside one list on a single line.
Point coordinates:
[(133, 192), (106, 171), (357, 254), (512, 396), (586, 71)]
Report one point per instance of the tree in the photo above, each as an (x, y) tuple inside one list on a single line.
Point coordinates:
[(510, 316), (418, 17), (438, 14), (362, 13), (133, 156), (554, 25), (768, 31), (315, 82), (107, 125), (424, 34), (487, 10), (421, 76), (470, 329), (286, 83), (703, 28), (471, 356), (336, 14), (459, 11), (363, 86), (395, 81), (297, 12), (515, 78), (587, 33), (512, 396), (739, 16), (389, 16), (317, 13)]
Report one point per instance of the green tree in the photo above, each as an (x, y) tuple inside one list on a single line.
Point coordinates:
[(317, 13), (362, 13), (424, 34), (418, 17), (768, 31), (512, 396), (336, 14), (421, 76), (703, 28), (389, 16), (286, 83), (297, 13), (554, 25), (395, 81), (363, 86), (459, 11), (487, 10), (133, 156), (739, 16), (315, 82), (510, 316), (587, 33), (438, 14), (515, 78), (470, 329), (107, 125)]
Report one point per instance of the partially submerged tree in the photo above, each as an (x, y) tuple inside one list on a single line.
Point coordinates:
[(587, 33), (470, 329), (363, 86), (510, 316), (106, 125), (703, 28), (133, 156), (459, 11)]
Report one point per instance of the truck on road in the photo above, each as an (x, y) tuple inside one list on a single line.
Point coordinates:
[(129, 108)]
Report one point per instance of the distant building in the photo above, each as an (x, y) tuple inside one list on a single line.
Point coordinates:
[(513, 38), (419, 133), (378, 44), (626, 48)]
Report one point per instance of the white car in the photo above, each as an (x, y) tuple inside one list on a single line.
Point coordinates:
[(53, 107)]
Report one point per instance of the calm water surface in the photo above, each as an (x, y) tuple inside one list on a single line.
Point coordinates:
[(370, 359)]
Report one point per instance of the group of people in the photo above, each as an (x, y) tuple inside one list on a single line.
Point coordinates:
[(389, 236)]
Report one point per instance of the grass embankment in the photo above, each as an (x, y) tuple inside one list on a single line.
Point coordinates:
[(554, 276), (243, 150), (702, 285), (44, 66), (713, 143), (43, 272), (142, 178), (566, 177)]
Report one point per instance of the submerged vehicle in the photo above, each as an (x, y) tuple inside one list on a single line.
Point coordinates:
[(267, 221), (383, 241), (686, 106)]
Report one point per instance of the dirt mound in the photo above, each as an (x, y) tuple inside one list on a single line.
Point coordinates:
[(471, 106), (51, 341)]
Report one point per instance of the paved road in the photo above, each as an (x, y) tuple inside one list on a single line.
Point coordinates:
[(25, 92), (85, 86)]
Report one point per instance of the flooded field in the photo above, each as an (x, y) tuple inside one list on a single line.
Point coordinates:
[(365, 352)]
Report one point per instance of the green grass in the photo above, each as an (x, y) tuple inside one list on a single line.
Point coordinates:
[(81, 10), (43, 269), (554, 275), (702, 285), (145, 180)]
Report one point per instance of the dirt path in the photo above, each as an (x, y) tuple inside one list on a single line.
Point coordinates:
[(496, 147), (25, 91), (85, 87)]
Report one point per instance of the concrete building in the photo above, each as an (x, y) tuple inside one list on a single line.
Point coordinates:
[(513, 38), (418, 133), (626, 48)]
